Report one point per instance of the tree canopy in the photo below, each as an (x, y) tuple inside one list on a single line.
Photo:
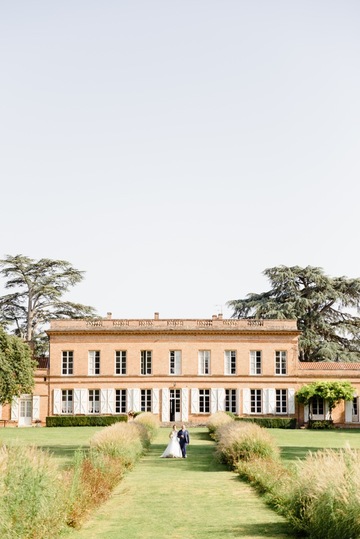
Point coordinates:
[(323, 306), (38, 288), (17, 367), (332, 392)]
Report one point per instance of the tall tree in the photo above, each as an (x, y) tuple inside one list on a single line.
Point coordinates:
[(17, 367), (323, 306), (39, 286)]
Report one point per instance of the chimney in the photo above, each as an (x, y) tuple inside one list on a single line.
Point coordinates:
[(214, 316), (108, 316), (220, 316), (156, 316)]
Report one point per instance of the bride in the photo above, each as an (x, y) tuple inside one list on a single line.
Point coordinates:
[(173, 449)]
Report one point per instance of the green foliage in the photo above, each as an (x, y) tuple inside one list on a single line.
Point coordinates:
[(319, 303), (17, 368), (326, 424), (39, 286), (333, 392), (271, 422), (84, 420)]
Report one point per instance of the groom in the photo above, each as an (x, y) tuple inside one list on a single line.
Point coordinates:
[(184, 440)]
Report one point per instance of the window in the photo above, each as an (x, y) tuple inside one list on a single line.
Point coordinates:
[(230, 362), (146, 361), (94, 362), (204, 362), (204, 401), (120, 401), (281, 401), (280, 362), (175, 362), (67, 362), (317, 406), (255, 362), (120, 362), (230, 400), (146, 400), (67, 401), (256, 401), (94, 401)]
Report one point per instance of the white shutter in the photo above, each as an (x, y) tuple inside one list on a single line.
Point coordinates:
[(111, 401), (77, 401), (213, 401), (291, 400), (15, 409), (194, 401), (184, 404), (306, 413), (270, 401), (221, 400), (103, 401), (326, 410), (246, 401), (227, 362), (238, 401), (155, 399), (57, 401), (165, 411), (348, 411), (36, 407), (84, 401), (177, 362), (135, 400)]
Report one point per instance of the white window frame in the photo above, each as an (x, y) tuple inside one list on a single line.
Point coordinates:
[(231, 399), (280, 362), (255, 362), (204, 362), (146, 362), (281, 401), (204, 401), (94, 362), (146, 400), (121, 400), (256, 401), (230, 362), (120, 362), (67, 362), (67, 401), (94, 402), (174, 362)]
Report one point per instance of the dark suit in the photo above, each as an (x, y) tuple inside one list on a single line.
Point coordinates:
[(184, 440)]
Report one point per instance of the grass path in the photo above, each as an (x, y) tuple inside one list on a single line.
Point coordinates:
[(176, 498)]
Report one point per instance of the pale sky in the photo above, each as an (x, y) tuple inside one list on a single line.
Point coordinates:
[(174, 149)]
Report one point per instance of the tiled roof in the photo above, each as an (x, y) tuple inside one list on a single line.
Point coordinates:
[(328, 366)]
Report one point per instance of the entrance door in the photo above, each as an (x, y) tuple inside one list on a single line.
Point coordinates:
[(175, 406), (355, 410), (25, 412)]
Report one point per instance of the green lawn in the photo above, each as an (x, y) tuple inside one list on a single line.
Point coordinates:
[(61, 442)]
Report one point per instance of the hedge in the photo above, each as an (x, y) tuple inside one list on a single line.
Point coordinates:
[(84, 420), (271, 422)]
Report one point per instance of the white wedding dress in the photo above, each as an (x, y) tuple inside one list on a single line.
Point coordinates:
[(173, 449)]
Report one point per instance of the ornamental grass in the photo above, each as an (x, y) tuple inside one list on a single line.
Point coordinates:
[(216, 421), (32, 495), (150, 421), (123, 441), (323, 499), (240, 441)]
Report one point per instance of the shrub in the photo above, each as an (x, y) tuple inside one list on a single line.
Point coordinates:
[(325, 424), (272, 422), (323, 500), (150, 421), (216, 421), (240, 441), (32, 495), (121, 441), (84, 420)]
